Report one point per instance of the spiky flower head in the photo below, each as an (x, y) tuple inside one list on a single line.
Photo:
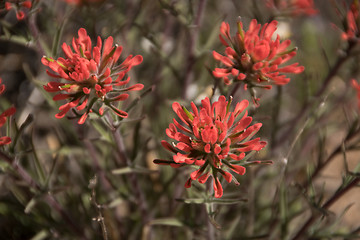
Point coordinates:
[(254, 57), (212, 138), (90, 76)]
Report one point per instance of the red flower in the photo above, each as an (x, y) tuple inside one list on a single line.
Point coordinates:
[(255, 58), (5, 140), (352, 20), (212, 138), (19, 6), (292, 7), (91, 75)]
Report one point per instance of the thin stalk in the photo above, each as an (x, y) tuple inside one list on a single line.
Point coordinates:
[(119, 142), (38, 165), (275, 115), (100, 219), (191, 47), (251, 203), (211, 228), (96, 164)]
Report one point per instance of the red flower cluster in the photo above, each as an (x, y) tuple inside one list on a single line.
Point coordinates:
[(213, 138), (254, 57), (292, 7), (352, 21), (19, 7), (5, 140), (92, 75)]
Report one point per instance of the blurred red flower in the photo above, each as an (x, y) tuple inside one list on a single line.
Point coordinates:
[(19, 7), (81, 2), (212, 138), (91, 75), (352, 20), (254, 57), (10, 111), (293, 7)]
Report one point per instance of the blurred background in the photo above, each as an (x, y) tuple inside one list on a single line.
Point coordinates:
[(311, 126)]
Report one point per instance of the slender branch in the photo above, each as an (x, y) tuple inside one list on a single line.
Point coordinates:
[(35, 33), (341, 192), (100, 219), (337, 195), (234, 90), (323, 164)]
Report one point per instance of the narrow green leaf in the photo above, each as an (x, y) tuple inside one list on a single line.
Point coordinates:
[(38, 166), (115, 202), (228, 201), (40, 235), (30, 206), (192, 200), (127, 170), (52, 170), (19, 194), (229, 104), (167, 221), (188, 113)]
